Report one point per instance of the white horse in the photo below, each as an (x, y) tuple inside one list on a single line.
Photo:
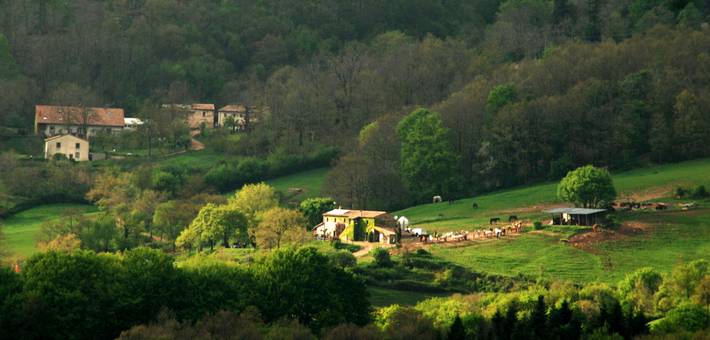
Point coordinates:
[(437, 199)]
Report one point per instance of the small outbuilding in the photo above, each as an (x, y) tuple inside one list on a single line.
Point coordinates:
[(577, 216), (73, 147)]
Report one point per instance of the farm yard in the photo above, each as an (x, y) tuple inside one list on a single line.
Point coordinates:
[(644, 237)]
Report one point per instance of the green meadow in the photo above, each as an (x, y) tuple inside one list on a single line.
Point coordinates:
[(310, 181), (652, 184), (21, 229)]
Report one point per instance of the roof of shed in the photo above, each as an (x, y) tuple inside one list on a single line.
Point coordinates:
[(574, 211)]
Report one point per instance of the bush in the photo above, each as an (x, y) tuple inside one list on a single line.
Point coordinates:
[(537, 225), (700, 193), (680, 192), (382, 257)]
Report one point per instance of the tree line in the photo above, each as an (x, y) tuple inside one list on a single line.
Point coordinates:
[(84, 295)]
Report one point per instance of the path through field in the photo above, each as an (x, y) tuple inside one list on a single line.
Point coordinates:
[(196, 144), (367, 246)]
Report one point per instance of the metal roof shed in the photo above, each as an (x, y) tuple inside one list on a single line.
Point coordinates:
[(580, 216)]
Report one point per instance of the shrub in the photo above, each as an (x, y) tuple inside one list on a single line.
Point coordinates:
[(680, 192), (537, 225), (382, 257), (700, 193)]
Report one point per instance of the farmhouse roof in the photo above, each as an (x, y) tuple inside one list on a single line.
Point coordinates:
[(337, 212), (354, 213), (101, 116), (574, 211), (65, 135), (233, 108), (203, 106), (385, 230)]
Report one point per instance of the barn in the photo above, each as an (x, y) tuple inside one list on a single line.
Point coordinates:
[(577, 216)]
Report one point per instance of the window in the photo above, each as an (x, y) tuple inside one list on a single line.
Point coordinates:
[(77, 155), (45, 118), (78, 146), (109, 112), (204, 114), (60, 118), (59, 145)]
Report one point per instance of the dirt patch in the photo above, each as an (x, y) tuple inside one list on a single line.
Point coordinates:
[(652, 194), (587, 241)]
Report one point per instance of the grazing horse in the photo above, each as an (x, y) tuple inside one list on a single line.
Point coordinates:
[(594, 228), (437, 199), (494, 220), (474, 205), (512, 218)]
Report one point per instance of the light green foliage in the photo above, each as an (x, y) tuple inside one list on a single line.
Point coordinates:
[(686, 317), (314, 208), (279, 225), (253, 200), (683, 281), (221, 222), (501, 96), (586, 187), (428, 161), (382, 257), (409, 323), (443, 310), (690, 16), (638, 289)]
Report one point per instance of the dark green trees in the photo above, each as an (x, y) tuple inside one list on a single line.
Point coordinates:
[(429, 165)]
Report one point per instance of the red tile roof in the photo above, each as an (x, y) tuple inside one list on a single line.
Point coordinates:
[(46, 114), (203, 106), (233, 108)]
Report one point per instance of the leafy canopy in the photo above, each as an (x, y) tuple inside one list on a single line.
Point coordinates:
[(586, 186)]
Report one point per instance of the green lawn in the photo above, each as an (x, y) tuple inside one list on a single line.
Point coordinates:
[(21, 229), (308, 180)]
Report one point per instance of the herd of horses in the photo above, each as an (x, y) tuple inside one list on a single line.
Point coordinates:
[(516, 227), (465, 235)]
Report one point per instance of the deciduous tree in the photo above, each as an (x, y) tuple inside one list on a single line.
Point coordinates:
[(586, 187), (281, 224)]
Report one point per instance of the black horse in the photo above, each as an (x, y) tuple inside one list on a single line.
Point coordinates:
[(495, 220), (512, 218), (474, 205)]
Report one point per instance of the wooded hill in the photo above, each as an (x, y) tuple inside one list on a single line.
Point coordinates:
[(525, 89)]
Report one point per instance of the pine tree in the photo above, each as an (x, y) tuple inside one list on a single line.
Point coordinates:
[(457, 331), (538, 319)]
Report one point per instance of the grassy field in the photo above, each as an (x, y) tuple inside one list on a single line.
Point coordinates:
[(310, 181), (382, 297), (21, 229), (652, 183), (667, 238)]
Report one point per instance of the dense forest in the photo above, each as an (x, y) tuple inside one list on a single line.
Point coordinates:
[(518, 91)]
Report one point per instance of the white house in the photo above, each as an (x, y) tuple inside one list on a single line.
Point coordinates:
[(73, 147)]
